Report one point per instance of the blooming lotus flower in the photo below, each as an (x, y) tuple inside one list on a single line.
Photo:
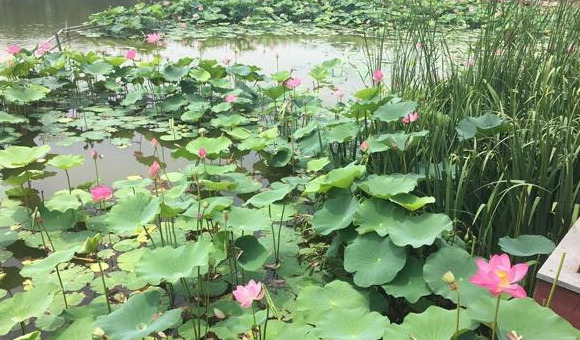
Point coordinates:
[(410, 118), (13, 49), (154, 142), (153, 38), (364, 146), (245, 295), (230, 98), (378, 76), (43, 48), (131, 54), (202, 153), (293, 83), (101, 193), (499, 276), (419, 45), (154, 170), (227, 60)]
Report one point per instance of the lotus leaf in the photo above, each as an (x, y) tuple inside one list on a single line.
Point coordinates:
[(386, 186), (409, 282), (393, 112), (252, 254), (172, 264), (212, 146), (45, 266), (373, 259), (26, 305), (336, 213), (526, 245), (352, 324), (462, 265), (66, 162), (133, 212), (19, 156), (138, 317), (268, 197), (26, 94), (435, 323)]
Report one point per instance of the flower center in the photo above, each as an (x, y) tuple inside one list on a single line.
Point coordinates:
[(503, 276)]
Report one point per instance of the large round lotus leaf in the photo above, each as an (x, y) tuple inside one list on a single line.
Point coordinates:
[(244, 184), (98, 68), (81, 329), (230, 328), (462, 265), (339, 178), (210, 169), (21, 94), (371, 216), (337, 212), (133, 212), (64, 201), (252, 255), (7, 236), (526, 245), (485, 125), (200, 74), (314, 302), (268, 197), (373, 259), (385, 186), (316, 165), (136, 182), (341, 132), (249, 220), (533, 322), (73, 277), (212, 146), (229, 121), (393, 112), (138, 317), (409, 282), (66, 162), (435, 323), (47, 264), (279, 330), (23, 306), (352, 324), (6, 118), (171, 264), (19, 156), (400, 140), (214, 204)]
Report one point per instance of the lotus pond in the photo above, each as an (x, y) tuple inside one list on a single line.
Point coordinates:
[(269, 188)]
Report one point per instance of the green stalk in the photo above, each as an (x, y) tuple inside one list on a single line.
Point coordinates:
[(68, 181), (104, 284), (554, 284), (494, 325), (61, 287), (186, 288)]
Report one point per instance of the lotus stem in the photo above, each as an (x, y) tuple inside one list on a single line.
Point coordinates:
[(554, 284), (494, 325), (280, 232), (61, 287), (68, 181), (104, 284), (457, 317), (190, 303), (96, 170)]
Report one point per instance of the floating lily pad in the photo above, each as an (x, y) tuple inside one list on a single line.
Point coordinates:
[(19, 156)]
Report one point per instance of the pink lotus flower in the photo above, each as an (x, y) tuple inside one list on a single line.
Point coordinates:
[(101, 193), (498, 276), (13, 49), (43, 48), (364, 146), (154, 170), (230, 98), (249, 293), (202, 153), (200, 8), (293, 83), (378, 76), (131, 54), (471, 9), (410, 118), (470, 62), (154, 142), (419, 45), (153, 38), (94, 154), (227, 60)]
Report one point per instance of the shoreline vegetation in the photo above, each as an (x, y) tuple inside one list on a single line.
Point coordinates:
[(418, 207)]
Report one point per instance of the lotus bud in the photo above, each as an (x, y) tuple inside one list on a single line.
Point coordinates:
[(154, 142), (98, 333), (202, 153), (364, 146), (91, 245), (2, 275), (448, 278), (154, 170), (205, 204), (219, 314), (226, 216), (202, 131), (94, 154), (514, 336)]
